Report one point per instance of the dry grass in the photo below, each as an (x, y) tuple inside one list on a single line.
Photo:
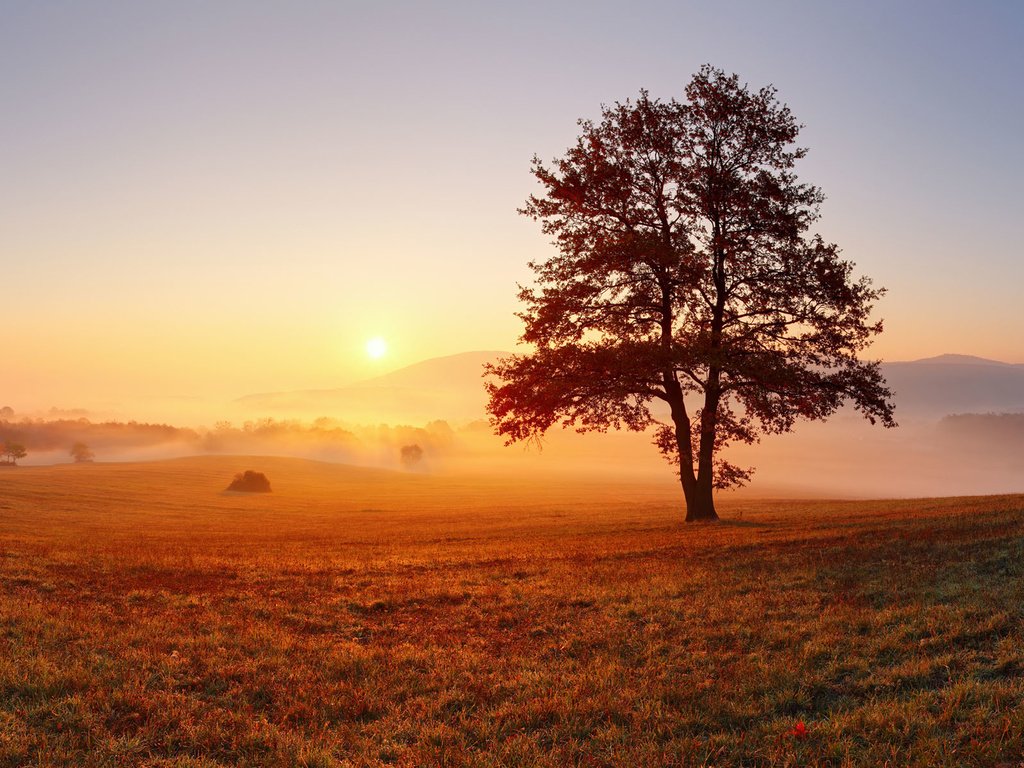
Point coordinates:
[(356, 617)]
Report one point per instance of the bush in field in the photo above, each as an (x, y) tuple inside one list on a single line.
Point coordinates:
[(411, 455), (250, 482)]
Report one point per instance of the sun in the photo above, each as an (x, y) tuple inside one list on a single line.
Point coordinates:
[(376, 348)]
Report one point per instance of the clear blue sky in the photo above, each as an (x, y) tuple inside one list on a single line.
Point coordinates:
[(191, 183)]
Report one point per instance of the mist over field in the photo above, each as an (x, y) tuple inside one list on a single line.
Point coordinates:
[(961, 432)]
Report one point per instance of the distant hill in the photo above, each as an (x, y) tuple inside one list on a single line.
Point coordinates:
[(449, 388), (437, 373), (964, 360), (937, 386)]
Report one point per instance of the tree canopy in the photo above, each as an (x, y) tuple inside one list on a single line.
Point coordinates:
[(686, 274), (81, 453), (12, 451)]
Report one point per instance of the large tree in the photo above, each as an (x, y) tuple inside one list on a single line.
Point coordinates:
[(686, 274)]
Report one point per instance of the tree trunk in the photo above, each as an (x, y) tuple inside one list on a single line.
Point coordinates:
[(697, 487), (703, 506), (687, 478), (701, 509)]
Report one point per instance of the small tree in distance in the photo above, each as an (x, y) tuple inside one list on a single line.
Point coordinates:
[(81, 453), (685, 273), (12, 452), (411, 455)]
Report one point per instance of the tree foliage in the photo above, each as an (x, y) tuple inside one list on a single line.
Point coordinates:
[(686, 275), (12, 451)]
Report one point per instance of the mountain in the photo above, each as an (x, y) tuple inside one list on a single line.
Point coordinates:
[(949, 359), (450, 388), (937, 386), (439, 372)]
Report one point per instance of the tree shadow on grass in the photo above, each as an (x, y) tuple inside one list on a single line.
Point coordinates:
[(740, 523)]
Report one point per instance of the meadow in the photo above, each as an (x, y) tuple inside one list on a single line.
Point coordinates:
[(359, 617)]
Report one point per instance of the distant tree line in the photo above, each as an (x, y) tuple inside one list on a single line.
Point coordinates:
[(996, 430), (58, 434), (324, 438)]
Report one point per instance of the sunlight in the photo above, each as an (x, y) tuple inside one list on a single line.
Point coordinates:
[(376, 348)]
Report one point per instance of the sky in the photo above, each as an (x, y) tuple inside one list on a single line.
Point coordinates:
[(210, 199)]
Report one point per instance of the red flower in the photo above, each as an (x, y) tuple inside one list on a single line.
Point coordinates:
[(799, 730)]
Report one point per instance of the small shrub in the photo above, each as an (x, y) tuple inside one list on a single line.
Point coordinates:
[(250, 482)]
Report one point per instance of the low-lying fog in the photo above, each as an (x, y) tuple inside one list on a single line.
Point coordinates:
[(845, 457), (437, 424)]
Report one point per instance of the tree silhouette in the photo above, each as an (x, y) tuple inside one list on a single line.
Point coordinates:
[(12, 452), (81, 452), (685, 274), (411, 455), (250, 482)]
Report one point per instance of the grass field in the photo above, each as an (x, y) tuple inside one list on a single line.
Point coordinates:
[(361, 617)]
